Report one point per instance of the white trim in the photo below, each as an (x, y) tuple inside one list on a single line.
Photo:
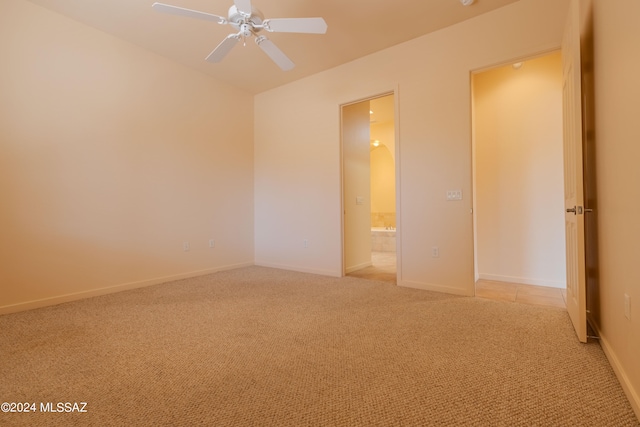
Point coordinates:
[(298, 269), (434, 288), (358, 267), (46, 302), (524, 280), (398, 171), (632, 394), (524, 55)]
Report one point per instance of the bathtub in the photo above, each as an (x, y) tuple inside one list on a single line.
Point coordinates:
[(383, 240)]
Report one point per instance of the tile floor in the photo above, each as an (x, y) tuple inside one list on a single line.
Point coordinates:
[(384, 269), (524, 294)]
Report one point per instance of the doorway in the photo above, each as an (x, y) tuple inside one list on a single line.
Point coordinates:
[(518, 210), (369, 167)]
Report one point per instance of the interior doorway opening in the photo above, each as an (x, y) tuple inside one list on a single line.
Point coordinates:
[(519, 239), (369, 167)]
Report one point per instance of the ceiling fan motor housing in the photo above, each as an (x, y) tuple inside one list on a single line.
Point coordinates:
[(237, 19)]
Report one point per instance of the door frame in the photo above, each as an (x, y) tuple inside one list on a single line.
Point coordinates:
[(473, 145), (396, 129), (570, 47)]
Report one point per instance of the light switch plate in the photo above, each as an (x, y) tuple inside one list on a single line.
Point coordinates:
[(454, 194)]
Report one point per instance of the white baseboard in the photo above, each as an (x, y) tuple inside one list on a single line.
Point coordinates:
[(45, 302), (329, 273), (436, 288), (524, 280), (632, 394)]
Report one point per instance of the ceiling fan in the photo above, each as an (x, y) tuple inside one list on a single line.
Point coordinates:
[(249, 21)]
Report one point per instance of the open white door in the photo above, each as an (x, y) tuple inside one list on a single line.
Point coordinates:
[(356, 186), (573, 179)]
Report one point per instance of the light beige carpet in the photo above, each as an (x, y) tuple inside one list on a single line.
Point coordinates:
[(259, 346)]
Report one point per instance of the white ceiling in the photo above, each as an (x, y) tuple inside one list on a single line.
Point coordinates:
[(356, 28)]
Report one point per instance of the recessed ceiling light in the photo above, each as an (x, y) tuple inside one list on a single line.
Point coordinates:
[(467, 2), (376, 143), (517, 65)]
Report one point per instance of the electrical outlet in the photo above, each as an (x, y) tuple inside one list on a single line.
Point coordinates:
[(185, 246), (212, 243), (435, 252), (305, 242), (627, 306)]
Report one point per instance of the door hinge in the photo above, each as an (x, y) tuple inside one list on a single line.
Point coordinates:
[(577, 210)]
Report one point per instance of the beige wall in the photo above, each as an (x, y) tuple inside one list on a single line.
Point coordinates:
[(383, 178), (110, 158), (617, 67), (383, 172), (298, 135), (383, 185), (519, 201)]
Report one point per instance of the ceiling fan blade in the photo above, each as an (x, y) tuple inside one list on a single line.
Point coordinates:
[(223, 48), (175, 10), (296, 25), (275, 53), (243, 6)]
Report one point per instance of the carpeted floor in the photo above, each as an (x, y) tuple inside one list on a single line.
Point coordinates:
[(259, 346)]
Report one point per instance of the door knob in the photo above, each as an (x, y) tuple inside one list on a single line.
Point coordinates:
[(573, 209)]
